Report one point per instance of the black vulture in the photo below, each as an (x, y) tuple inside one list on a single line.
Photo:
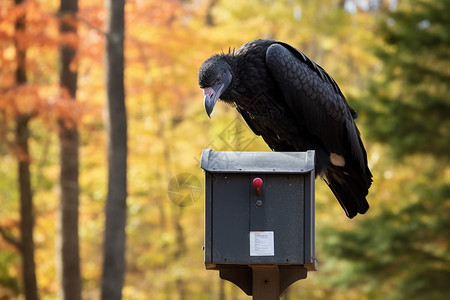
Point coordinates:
[(295, 106)]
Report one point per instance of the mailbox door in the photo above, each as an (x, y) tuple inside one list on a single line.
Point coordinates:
[(277, 220)]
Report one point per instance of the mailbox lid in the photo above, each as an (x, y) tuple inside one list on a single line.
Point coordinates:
[(257, 162)]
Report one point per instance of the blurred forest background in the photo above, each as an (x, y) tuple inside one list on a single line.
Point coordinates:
[(391, 59)]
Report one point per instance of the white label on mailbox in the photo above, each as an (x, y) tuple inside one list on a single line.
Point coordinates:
[(261, 243)]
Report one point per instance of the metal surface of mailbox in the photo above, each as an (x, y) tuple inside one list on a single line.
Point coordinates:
[(282, 213)]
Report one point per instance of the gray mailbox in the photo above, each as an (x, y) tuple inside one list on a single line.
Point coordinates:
[(259, 215)]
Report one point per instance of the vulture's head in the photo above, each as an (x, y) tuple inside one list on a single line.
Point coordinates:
[(214, 77)]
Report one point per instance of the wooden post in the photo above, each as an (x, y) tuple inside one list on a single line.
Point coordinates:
[(266, 282)]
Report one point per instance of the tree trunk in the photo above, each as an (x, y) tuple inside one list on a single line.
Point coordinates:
[(68, 139), (180, 250), (26, 195), (26, 209), (116, 207)]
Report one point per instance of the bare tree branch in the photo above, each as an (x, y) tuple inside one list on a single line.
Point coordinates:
[(10, 239)]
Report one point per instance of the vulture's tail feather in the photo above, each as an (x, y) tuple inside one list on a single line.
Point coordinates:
[(350, 188)]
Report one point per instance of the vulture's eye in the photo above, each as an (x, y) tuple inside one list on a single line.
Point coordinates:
[(219, 78)]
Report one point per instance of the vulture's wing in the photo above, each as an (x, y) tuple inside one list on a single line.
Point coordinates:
[(316, 101)]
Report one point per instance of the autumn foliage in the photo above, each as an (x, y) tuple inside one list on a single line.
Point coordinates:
[(165, 43)]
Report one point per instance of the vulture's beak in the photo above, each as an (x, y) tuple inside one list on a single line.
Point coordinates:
[(210, 97)]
